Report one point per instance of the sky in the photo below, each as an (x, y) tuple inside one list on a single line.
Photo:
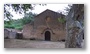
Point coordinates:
[(38, 9)]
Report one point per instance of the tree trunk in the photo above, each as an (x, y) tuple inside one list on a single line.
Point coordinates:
[(74, 28)]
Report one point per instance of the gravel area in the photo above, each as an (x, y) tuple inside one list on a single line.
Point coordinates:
[(16, 43)]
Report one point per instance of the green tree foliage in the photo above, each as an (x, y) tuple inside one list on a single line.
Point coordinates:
[(18, 8), (8, 24), (61, 20), (29, 17), (19, 23)]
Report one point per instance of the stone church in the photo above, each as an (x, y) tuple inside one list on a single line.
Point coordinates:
[(46, 26)]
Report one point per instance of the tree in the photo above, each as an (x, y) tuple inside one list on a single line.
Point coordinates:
[(74, 26), (18, 8), (28, 18), (67, 9), (19, 23)]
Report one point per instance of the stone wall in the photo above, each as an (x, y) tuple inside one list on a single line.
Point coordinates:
[(39, 33), (27, 31), (10, 33), (6, 33)]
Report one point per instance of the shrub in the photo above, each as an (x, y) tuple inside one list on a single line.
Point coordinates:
[(62, 20), (9, 26), (19, 27)]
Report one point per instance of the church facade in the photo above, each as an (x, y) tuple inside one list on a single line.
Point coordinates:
[(46, 26)]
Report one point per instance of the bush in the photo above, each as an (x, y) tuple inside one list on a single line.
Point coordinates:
[(9, 26), (62, 20), (19, 27)]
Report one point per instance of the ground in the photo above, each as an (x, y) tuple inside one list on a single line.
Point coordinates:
[(17, 43)]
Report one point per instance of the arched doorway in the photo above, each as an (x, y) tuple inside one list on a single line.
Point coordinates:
[(47, 35)]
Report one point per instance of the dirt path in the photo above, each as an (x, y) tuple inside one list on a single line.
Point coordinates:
[(15, 43)]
